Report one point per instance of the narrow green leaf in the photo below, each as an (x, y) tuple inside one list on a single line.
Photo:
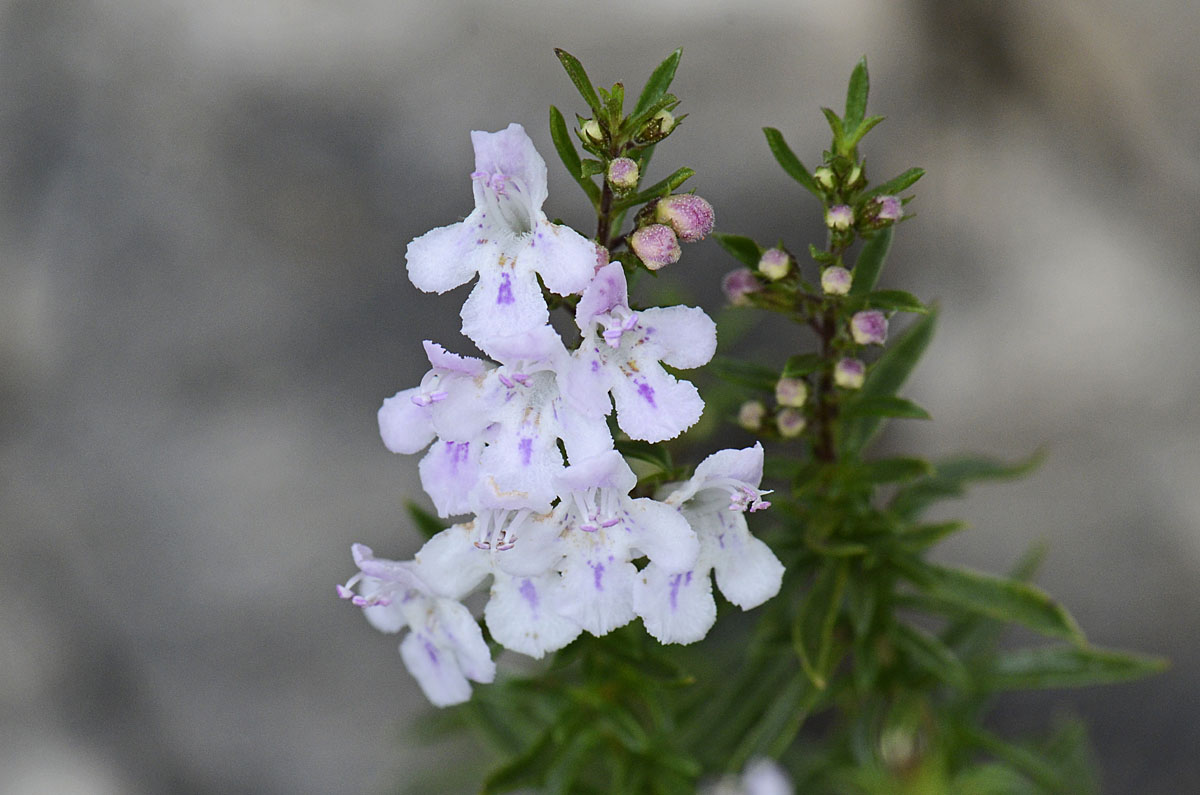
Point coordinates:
[(616, 102), (886, 376), (579, 77), (812, 632), (856, 94), (741, 248), (854, 137), (839, 131), (1028, 761), (659, 82), (803, 364), (951, 477), (893, 470), (897, 301), (924, 536), (779, 724), (745, 373), (995, 597), (870, 262), (1068, 666), (656, 454), (821, 255), (527, 769), (427, 524), (790, 163), (565, 147), (657, 190), (896, 184), (883, 406), (931, 654), (590, 168)]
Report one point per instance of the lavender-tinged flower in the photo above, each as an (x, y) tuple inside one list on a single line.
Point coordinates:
[(761, 777), (677, 606), (656, 246), (849, 373), (839, 217), (445, 647), (507, 239), (889, 208), (623, 174), (621, 353), (774, 264), (689, 215), (836, 280), (869, 327), (738, 284)]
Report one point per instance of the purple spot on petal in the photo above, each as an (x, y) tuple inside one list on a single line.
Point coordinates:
[(598, 572), (646, 391), (688, 579), (457, 452), (432, 652), (504, 295), (526, 448), (675, 581), (530, 593)]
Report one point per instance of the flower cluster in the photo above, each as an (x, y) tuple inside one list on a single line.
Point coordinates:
[(521, 447)]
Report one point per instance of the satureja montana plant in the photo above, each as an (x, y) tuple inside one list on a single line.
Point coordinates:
[(578, 520)]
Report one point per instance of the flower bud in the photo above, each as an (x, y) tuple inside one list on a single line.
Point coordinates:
[(854, 177), (750, 415), (774, 264), (690, 216), (790, 423), (839, 217), (849, 373), (791, 392), (869, 327), (824, 177), (623, 174), (655, 245), (889, 208), (836, 280), (591, 130), (738, 284), (659, 127)]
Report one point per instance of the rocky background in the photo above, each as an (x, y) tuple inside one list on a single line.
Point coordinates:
[(203, 213)]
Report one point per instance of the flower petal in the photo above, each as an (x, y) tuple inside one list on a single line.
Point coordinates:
[(520, 617), (565, 259), (458, 630), (404, 426), (445, 257), (506, 302), (511, 152), (652, 405), (435, 669), (449, 474), (451, 565), (663, 534), (680, 336), (596, 592), (676, 608), (607, 290), (748, 573)]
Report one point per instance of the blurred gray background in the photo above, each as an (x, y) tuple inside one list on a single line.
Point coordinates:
[(202, 303)]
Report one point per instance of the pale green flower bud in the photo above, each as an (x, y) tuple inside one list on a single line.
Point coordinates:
[(836, 280), (849, 373), (751, 414), (774, 264), (623, 174), (824, 177), (591, 130), (790, 423), (791, 392), (839, 217)]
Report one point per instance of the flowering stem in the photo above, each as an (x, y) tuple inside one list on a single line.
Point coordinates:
[(604, 222)]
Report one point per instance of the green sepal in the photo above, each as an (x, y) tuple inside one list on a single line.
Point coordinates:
[(657, 190), (741, 248), (1067, 666), (951, 477), (641, 118), (886, 376), (883, 406), (995, 597), (790, 163), (427, 524), (870, 262), (821, 255), (896, 301), (659, 82), (896, 184), (856, 94), (930, 654), (561, 136), (802, 364), (812, 631), (579, 77)]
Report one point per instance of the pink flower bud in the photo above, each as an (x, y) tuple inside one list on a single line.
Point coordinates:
[(690, 216), (889, 208), (774, 264), (790, 423), (738, 284), (623, 174), (836, 280), (839, 216), (869, 327), (849, 373), (655, 245), (791, 392), (750, 415)]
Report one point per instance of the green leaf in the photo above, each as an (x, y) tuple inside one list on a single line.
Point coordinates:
[(892, 470), (657, 190), (1068, 666), (930, 654), (839, 131), (659, 82), (856, 94), (590, 168), (896, 184), (745, 373), (897, 301), (812, 632), (655, 454), (853, 138), (565, 147), (995, 597), (950, 479), (790, 163), (427, 524), (527, 769), (778, 725), (803, 364), (579, 77), (741, 248), (870, 262), (1028, 761), (923, 536), (883, 406), (886, 376)]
